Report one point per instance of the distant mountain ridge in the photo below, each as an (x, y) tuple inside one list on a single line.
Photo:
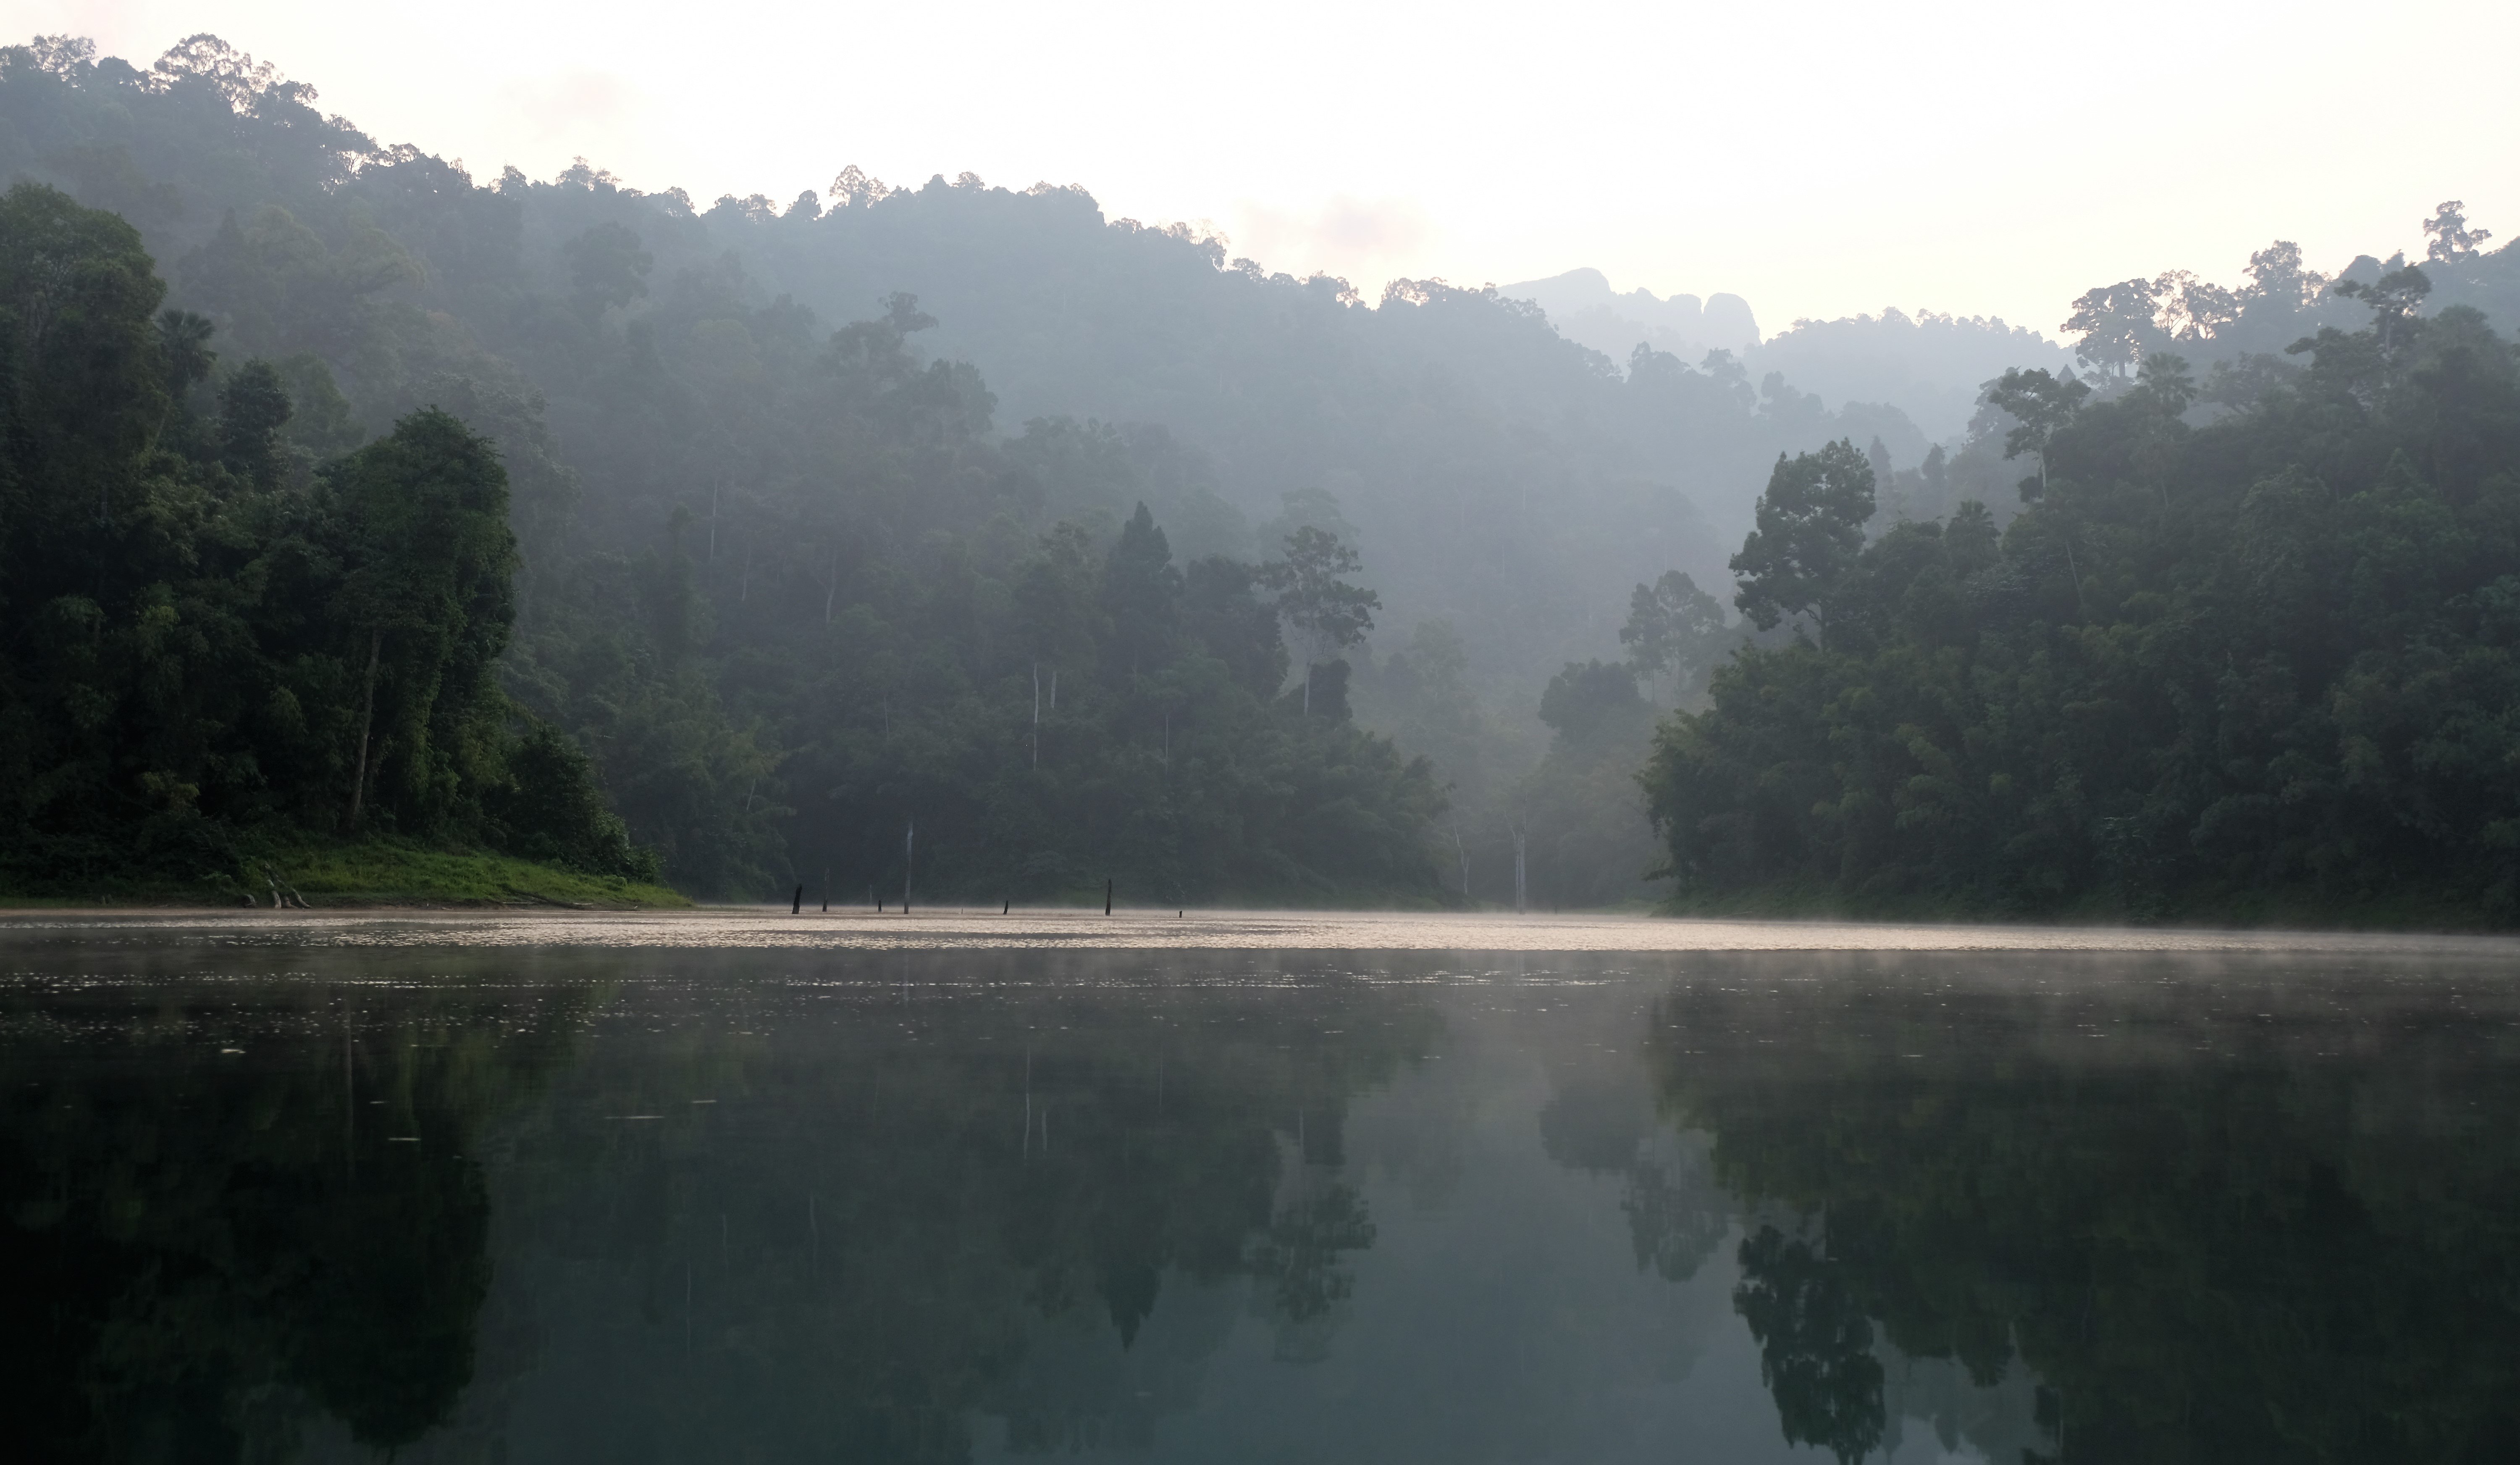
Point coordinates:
[(1929, 365), (1586, 309)]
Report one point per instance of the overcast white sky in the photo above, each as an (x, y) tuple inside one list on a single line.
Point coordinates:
[(1819, 158)]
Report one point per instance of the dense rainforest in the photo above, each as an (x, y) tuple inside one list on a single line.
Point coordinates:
[(806, 498), (2255, 657), (204, 639), (212, 638), (767, 575)]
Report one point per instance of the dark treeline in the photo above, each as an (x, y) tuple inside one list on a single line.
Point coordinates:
[(204, 641), (765, 574), (788, 587), (2247, 644), (210, 640)]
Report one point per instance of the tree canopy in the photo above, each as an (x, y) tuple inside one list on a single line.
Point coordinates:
[(2259, 661)]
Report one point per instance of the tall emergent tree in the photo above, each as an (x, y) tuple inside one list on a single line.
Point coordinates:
[(1674, 630), (1811, 529), (424, 520), (1328, 614)]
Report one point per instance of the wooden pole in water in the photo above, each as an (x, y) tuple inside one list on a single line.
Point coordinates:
[(1106, 896), (797, 907), (908, 847)]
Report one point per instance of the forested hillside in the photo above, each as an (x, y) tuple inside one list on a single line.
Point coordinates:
[(811, 616), (2262, 661), (207, 645), (807, 497), (770, 574)]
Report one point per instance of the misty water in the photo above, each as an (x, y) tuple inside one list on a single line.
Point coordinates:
[(747, 1187)]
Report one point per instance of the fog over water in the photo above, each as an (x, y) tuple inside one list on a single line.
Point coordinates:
[(1401, 733), (551, 1189), (1138, 930)]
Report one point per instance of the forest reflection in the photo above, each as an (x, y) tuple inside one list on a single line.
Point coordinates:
[(2217, 1211), (948, 1206)]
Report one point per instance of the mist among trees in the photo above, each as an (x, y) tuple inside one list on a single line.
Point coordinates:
[(759, 533)]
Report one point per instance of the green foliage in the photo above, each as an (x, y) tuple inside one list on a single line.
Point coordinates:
[(398, 871), (420, 519), (1675, 631), (1811, 529), (855, 519), (813, 603), (553, 810), (204, 650), (2263, 662), (1592, 704), (1587, 840), (1328, 613)]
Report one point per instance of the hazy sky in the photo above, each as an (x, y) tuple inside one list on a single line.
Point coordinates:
[(1820, 159)]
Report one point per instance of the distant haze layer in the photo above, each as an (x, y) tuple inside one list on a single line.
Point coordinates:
[(1817, 161)]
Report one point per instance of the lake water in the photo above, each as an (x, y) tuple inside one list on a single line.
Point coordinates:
[(745, 1186)]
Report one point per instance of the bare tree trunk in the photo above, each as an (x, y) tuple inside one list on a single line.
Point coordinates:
[(1464, 855), (367, 724)]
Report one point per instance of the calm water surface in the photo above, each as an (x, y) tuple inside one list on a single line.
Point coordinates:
[(740, 1189)]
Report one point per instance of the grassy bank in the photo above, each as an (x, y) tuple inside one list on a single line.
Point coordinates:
[(372, 872)]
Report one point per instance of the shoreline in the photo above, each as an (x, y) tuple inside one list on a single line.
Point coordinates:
[(1068, 928)]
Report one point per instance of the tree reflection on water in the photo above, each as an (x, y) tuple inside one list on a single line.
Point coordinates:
[(2219, 1214), (915, 1207), (803, 1212)]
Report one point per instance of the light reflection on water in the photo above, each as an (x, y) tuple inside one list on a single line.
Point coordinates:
[(734, 1185), (925, 929)]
